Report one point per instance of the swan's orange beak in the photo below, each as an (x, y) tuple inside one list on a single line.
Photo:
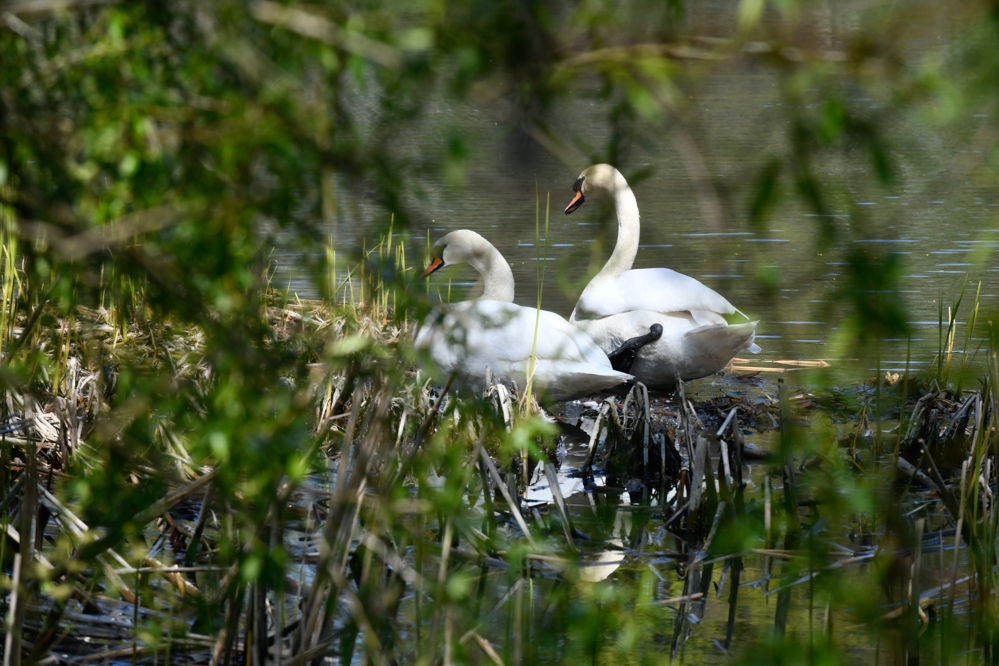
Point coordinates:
[(576, 202), (435, 263)]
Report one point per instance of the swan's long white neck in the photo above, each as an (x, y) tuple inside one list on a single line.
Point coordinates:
[(495, 273), (628, 229)]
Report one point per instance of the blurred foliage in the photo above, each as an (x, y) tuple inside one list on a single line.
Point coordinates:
[(152, 152)]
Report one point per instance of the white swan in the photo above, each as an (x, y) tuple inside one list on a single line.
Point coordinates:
[(492, 332), (620, 303)]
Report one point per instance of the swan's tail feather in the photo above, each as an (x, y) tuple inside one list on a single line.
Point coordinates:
[(751, 347), (716, 345)]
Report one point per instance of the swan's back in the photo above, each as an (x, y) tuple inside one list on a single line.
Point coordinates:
[(651, 289)]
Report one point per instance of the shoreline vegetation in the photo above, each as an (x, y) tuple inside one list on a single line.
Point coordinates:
[(399, 510), (197, 468)]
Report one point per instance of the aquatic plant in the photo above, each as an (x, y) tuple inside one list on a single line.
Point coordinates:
[(197, 463)]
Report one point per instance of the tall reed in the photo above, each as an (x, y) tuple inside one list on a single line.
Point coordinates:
[(10, 280), (945, 337), (542, 260)]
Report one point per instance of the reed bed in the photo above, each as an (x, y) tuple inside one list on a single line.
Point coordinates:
[(398, 507), (197, 467)]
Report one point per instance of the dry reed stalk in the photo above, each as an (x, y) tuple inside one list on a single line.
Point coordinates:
[(914, 594), (915, 474), (317, 617), (697, 596), (79, 529), (441, 590), (199, 526), (957, 539), (406, 462), (559, 504), (100, 545), (504, 490), (29, 525), (787, 464), (487, 649), (702, 551), (518, 625), (14, 627)]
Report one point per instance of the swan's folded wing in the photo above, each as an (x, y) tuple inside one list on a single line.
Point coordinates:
[(563, 340), (503, 331), (509, 331), (654, 289)]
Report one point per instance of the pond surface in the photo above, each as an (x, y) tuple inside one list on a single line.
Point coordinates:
[(938, 218), (938, 221)]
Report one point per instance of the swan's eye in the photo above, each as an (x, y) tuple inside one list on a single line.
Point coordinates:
[(578, 185)]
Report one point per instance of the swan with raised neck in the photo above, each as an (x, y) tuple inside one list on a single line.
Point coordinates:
[(672, 324), (603, 179)]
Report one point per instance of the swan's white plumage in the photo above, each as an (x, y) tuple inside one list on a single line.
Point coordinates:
[(468, 338), (620, 303), (664, 289)]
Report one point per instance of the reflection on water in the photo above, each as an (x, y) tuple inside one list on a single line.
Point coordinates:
[(631, 557)]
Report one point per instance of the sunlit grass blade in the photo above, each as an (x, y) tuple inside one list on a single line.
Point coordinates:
[(541, 261)]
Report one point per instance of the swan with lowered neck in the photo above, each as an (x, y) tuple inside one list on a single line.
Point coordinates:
[(620, 303), (492, 337)]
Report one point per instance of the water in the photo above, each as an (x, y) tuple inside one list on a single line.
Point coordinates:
[(940, 225), (629, 557), (938, 220)]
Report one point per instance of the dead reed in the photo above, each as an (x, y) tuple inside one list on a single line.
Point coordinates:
[(153, 508)]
